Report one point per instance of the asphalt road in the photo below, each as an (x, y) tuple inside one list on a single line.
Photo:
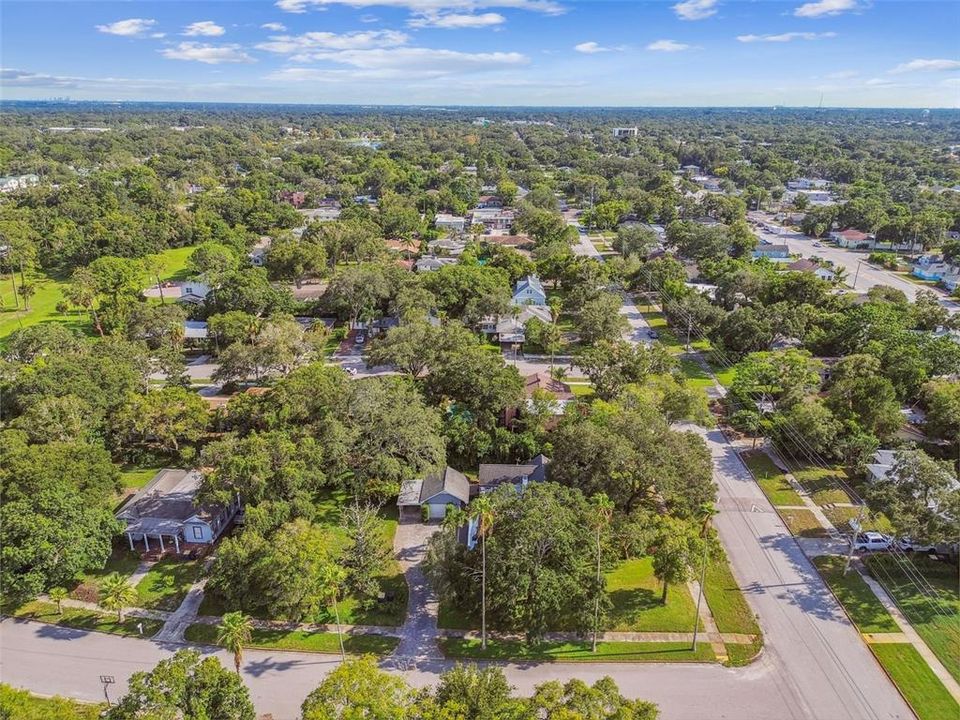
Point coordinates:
[(866, 277)]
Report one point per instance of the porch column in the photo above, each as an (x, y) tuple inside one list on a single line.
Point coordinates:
[(146, 542), (130, 540), (160, 538), (176, 541)]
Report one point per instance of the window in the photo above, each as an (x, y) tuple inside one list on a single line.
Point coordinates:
[(197, 533)]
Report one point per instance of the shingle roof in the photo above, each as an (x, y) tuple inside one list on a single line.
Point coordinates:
[(492, 475), (448, 481)]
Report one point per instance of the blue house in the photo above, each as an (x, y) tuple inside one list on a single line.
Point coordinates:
[(529, 291), (166, 508)]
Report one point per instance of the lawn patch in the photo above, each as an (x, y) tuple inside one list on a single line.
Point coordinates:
[(635, 598), (132, 476), (301, 640), (729, 607), (927, 696), (576, 651), (936, 620), (821, 483), (771, 480), (166, 584), (863, 607), (695, 375), (802, 523), (79, 618), (21, 705)]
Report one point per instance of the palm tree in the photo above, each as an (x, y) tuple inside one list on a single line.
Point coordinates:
[(482, 509), (602, 514), (116, 593), (58, 595), (234, 634), (840, 274), (331, 579), (704, 514)]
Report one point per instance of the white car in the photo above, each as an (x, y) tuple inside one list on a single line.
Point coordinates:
[(909, 545), (872, 541)]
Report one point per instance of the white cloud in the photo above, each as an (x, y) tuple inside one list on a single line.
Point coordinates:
[(549, 7), (921, 65), (206, 28), (456, 21), (667, 46), (208, 54), (785, 37), (695, 9), (821, 8), (590, 48), (274, 27), (401, 63), (305, 47), (128, 28)]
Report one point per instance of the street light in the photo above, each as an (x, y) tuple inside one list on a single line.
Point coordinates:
[(107, 681)]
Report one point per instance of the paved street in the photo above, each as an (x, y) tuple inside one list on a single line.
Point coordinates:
[(868, 275)]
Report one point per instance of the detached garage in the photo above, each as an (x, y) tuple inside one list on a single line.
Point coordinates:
[(435, 492)]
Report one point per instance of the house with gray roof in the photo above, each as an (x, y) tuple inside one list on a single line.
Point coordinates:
[(436, 492), (166, 508), (529, 291)]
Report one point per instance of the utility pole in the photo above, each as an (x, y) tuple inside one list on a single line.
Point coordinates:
[(857, 524), (857, 274)]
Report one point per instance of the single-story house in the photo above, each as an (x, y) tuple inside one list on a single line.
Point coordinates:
[(708, 183), (292, 197), (327, 213), (166, 507), (772, 252), (514, 241), (807, 184), (529, 291), (810, 266), (933, 271), (258, 252), (451, 223), (492, 476), (435, 492), (194, 330), (429, 263), (447, 246), (852, 238)]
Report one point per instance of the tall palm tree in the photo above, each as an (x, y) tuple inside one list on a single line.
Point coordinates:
[(116, 594), (602, 514), (234, 634), (704, 515), (332, 579), (482, 509)]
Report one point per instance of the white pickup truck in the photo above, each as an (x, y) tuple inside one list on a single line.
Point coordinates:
[(872, 541)]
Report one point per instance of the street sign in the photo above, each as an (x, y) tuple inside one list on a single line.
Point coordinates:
[(107, 679)]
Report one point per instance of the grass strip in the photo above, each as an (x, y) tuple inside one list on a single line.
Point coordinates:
[(635, 652), (301, 640), (927, 696), (87, 619), (863, 607)]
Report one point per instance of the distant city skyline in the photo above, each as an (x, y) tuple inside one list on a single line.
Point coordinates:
[(850, 53)]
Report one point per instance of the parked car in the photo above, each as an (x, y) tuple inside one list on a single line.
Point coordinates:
[(818, 244), (909, 545), (872, 541), (361, 339), (653, 334)]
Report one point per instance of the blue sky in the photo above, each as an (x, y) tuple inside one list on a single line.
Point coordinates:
[(869, 53)]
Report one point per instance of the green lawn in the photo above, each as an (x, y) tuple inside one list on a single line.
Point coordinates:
[(724, 375), (49, 292), (740, 655), (301, 640), (695, 375), (821, 484), (167, 584), (576, 652), (802, 523), (927, 696), (86, 619), (87, 585), (635, 597), (771, 480), (727, 603), (132, 476), (582, 390), (863, 607), (841, 515), (21, 705), (937, 621)]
